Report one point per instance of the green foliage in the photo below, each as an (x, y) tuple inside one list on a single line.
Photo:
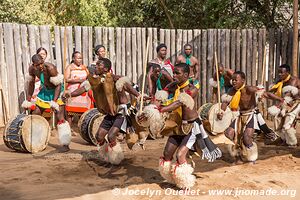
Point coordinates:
[(22, 11), (185, 14), (78, 12)]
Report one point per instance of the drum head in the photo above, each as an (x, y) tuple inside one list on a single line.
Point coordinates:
[(84, 122), (219, 126), (83, 116), (35, 133), (94, 125)]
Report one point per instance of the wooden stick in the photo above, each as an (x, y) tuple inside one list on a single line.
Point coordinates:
[(218, 81), (144, 73), (65, 56), (263, 78)]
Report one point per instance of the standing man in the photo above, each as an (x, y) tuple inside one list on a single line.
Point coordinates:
[(191, 60), (48, 96)]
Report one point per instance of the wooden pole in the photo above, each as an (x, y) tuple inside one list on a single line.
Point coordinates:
[(263, 77), (65, 56), (295, 37), (218, 81), (144, 74)]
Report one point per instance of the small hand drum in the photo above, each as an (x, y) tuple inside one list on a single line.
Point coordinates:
[(208, 113)]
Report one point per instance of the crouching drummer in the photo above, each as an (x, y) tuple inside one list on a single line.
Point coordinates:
[(48, 96), (242, 98), (109, 91)]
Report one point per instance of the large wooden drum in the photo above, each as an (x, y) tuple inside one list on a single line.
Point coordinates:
[(89, 123), (27, 133)]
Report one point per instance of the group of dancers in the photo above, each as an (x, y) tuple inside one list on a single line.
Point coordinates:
[(172, 110)]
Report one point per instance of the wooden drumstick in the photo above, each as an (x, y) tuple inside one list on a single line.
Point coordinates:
[(218, 82), (144, 74)]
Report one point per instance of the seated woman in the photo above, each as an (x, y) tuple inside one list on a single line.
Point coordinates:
[(75, 74)]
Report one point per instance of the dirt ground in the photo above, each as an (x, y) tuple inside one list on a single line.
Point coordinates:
[(78, 174)]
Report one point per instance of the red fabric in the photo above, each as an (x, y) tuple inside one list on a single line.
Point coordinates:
[(189, 92), (60, 122), (169, 63)]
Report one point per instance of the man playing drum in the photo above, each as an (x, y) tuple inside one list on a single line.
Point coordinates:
[(191, 128), (270, 137), (109, 91), (48, 96), (242, 98), (286, 114)]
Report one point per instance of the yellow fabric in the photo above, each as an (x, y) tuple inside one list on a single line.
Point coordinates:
[(235, 101), (279, 85), (177, 93), (45, 105)]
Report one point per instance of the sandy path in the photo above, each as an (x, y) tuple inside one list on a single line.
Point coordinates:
[(78, 174)]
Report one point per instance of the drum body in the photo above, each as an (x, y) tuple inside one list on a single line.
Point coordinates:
[(208, 113), (139, 134), (204, 110), (174, 125), (89, 124), (27, 133)]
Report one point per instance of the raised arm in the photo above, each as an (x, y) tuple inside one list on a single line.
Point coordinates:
[(272, 96), (184, 99), (171, 107), (128, 88)]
